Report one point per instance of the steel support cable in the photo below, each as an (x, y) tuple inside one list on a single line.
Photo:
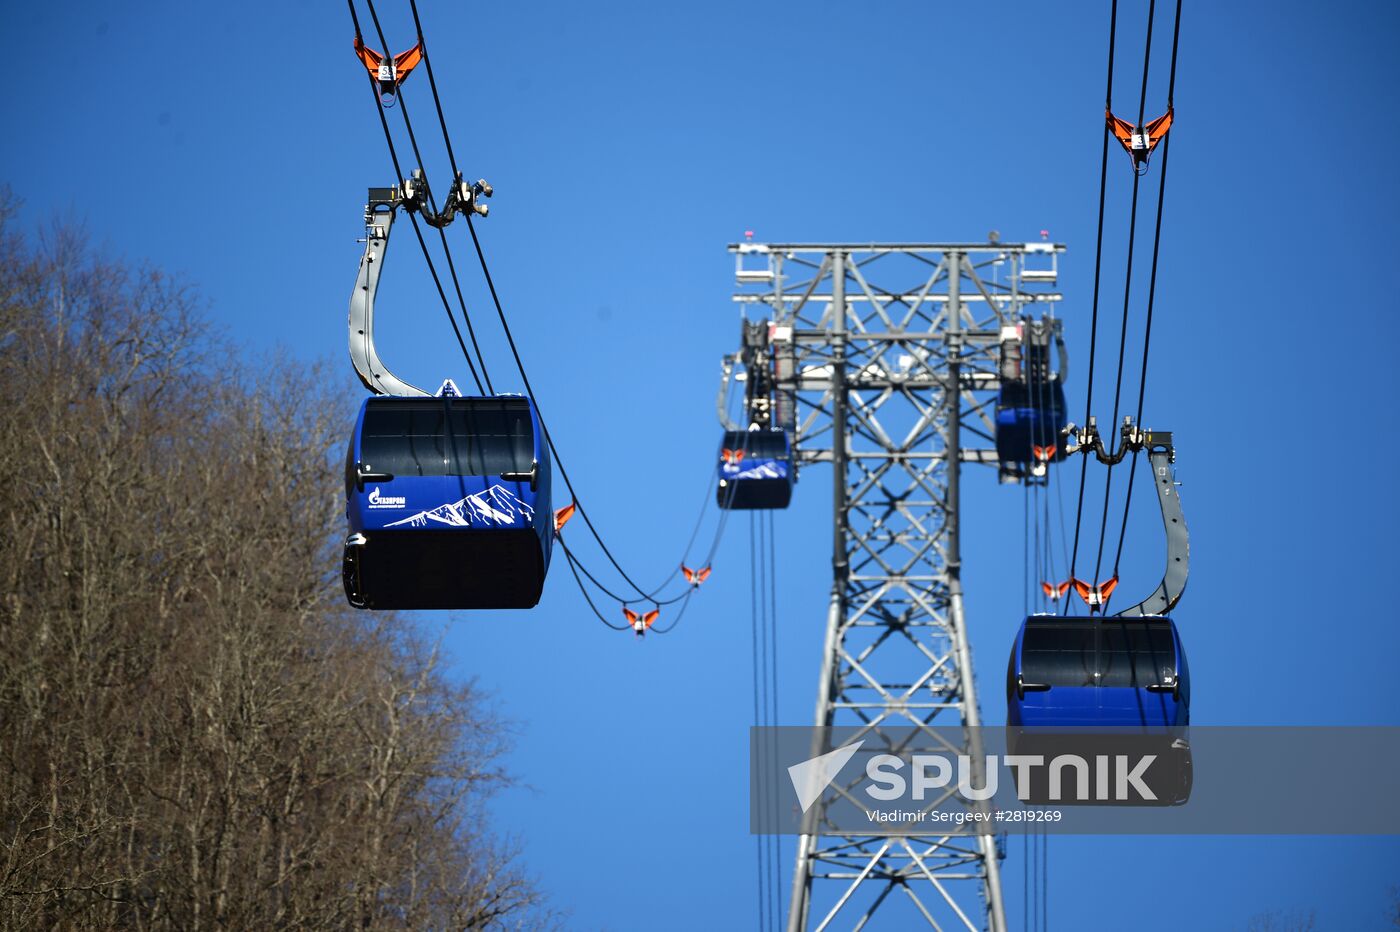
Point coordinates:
[(1045, 879), (1049, 540), (719, 530), (1028, 570), (1117, 392), (569, 558), (549, 438), (1132, 467), (432, 200), (773, 611), (574, 563), (759, 706), (695, 531), (563, 472), (725, 510), (619, 599), (1059, 513), (1035, 881), (594, 580), (412, 138), (583, 513), (1033, 545), (1098, 266), (456, 176), (1043, 397), (700, 518), (689, 591), (731, 490), (724, 513), (1108, 486), (398, 173), (676, 619), (1050, 476), (765, 523), (1127, 296), (1042, 568), (422, 245), (432, 269), (1151, 286), (576, 566), (461, 301), (1025, 550), (379, 106), (432, 82), (774, 857), (1030, 897), (1039, 880)]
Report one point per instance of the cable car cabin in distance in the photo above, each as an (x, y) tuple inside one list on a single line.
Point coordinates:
[(448, 501), (755, 469), (1029, 419), (1107, 671)]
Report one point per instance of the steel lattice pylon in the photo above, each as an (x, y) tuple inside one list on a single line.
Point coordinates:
[(862, 373)]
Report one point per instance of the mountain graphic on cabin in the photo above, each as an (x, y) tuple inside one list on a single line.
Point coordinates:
[(492, 507), (769, 469)]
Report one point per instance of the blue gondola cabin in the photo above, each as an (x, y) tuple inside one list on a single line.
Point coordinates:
[(1029, 419), (448, 501), (1102, 671), (755, 469)]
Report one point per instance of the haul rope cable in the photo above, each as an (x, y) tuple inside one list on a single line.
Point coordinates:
[(578, 567), (643, 595), (422, 167), (422, 245), (1152, 284), (1127, 289), (763, 607), (1127, 305), (774, 840), (1098, 266), (1176, 34), (760, 709)]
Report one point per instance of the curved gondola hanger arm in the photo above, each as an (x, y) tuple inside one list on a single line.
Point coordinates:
[(1161, 455), (381, 206)]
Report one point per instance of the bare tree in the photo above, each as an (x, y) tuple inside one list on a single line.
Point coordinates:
[(194, 732)]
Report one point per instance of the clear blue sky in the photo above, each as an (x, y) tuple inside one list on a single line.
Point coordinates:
[(628, 143)]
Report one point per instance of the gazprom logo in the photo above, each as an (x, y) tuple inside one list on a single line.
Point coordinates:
[(378, 500)]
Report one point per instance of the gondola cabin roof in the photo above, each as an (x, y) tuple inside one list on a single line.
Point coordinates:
[(1112, 670)]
